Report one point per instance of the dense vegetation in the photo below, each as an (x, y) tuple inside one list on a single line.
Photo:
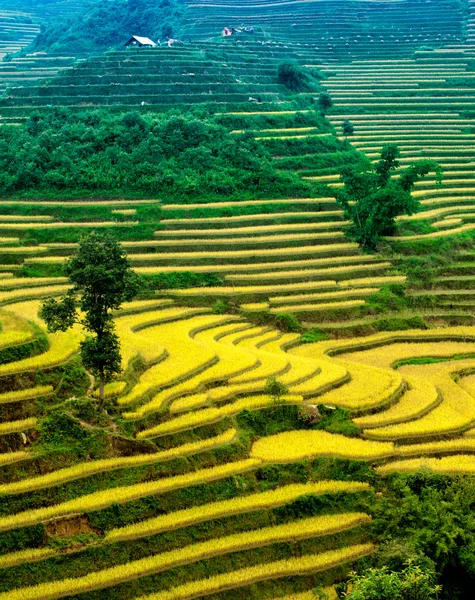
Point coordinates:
[(173, 155), (104, 24)]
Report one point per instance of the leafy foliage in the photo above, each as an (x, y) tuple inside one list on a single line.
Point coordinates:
[(178, 156), (104, 24), (103, 280), (275, 388), (433, 515), (325, 102), (293, 76), (372, 199), (347, 128), (381, 584)]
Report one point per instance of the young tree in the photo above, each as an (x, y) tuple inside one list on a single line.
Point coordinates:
[(372, 200), (102, 279), (347, 128), (325, 102)]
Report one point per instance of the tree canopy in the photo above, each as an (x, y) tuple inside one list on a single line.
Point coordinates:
[(174, 155), (103, 24), (102, 280), (372, 198), (295, 77)]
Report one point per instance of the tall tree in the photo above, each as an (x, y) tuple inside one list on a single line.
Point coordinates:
[(372, 198), (102, 280)]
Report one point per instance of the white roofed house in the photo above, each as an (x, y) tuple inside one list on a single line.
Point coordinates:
[(138, 42)]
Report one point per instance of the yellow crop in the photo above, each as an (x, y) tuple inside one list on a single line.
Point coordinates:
[(271, 364), (309, 563), (355, 395), (251, 229), (317, 307), (137, 337), (232, 360), (435, 212), (186, 356), (415, 402), (327, 271), (455, 413), (189, 403), (104, 498), (87, 469), (462, 444), (211, 415), (299, 445), (255, 266), (11, 457), (365, 281), (143, 305), (22, 249), (124, 211), (35, 292), (467, 383), (76, 203), (386, 339), (230, 203), (77, 224), (46, 259), (26, 394), (330, 591), (227, 508), (330, 375), (334, 248), (254, 306), (258, 239), (14, 337), (303, 529), (323, 296), (21, 282), (463, 464), (435, 234), (246, 218), (31, 555), (112, 389), (16, 426), (254, 289), (309, 273), (385, 356), (62, 347)]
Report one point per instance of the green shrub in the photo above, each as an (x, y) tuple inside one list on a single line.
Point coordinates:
[(293, 76)]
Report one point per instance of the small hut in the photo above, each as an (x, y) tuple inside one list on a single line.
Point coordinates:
[(138, 42)]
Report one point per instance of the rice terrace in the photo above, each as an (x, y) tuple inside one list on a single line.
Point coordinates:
[(237, 299)]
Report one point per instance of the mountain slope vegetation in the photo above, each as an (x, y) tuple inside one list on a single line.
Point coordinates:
[(104, 24)]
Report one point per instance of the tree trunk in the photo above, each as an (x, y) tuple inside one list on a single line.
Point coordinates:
[(101, 392)]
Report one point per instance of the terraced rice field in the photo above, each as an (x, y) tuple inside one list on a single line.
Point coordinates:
[(18, 28), (313, 261), (382, 26), (206, 371), (185, 502)]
